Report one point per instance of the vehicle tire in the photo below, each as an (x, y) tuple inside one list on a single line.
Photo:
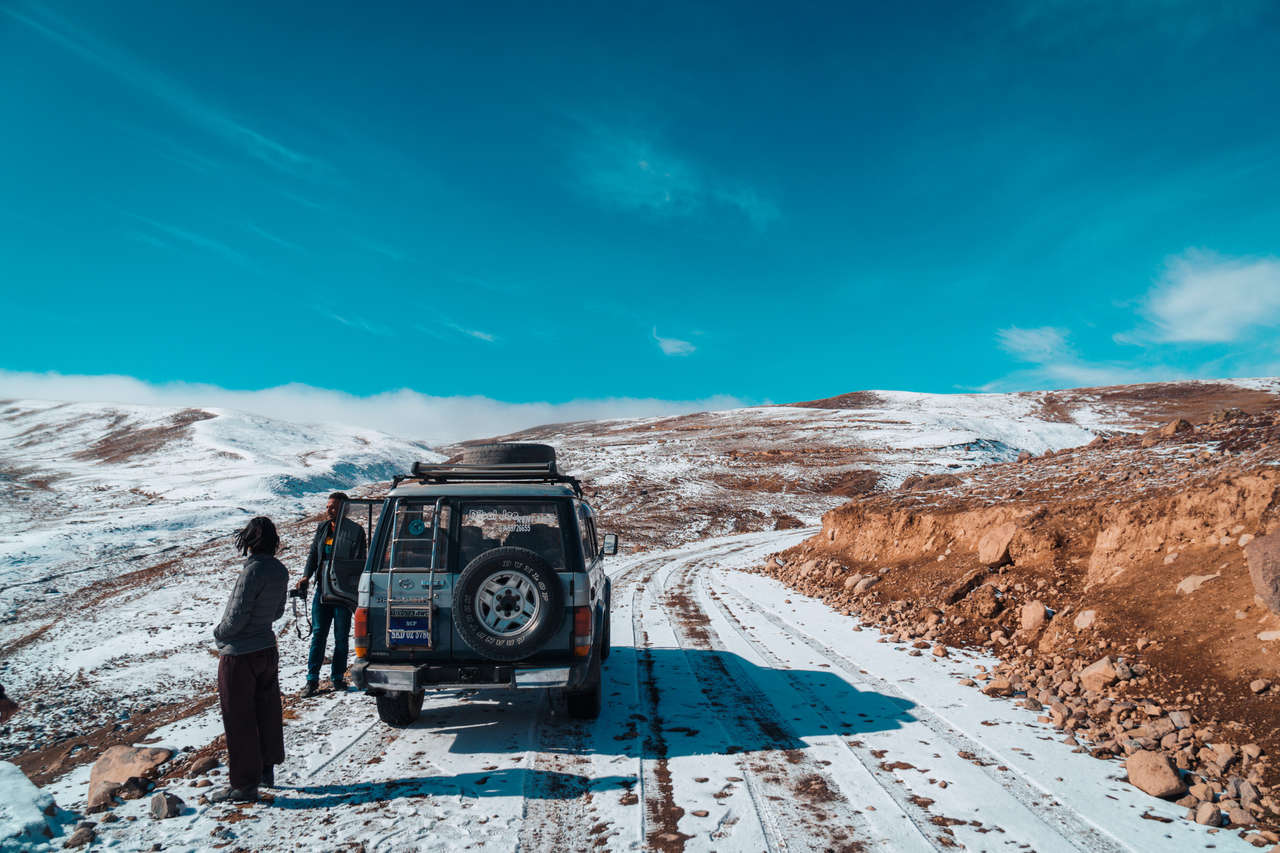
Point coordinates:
[(507, 453), (606, 635), (584, 703), (399, 709), (507, 604)]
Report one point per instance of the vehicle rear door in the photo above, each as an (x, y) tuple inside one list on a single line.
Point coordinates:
[(353, 531)]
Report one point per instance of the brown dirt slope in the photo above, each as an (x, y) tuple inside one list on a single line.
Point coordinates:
[(1103, 536)]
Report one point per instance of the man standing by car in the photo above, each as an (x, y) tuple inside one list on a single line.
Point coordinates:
[(348, 538)]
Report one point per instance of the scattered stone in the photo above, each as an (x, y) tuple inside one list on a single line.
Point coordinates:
[(940, 651), (1259, 685), (866, 583), (1269, 636), (117, 765), (166, 805), (134, 788), (202, 765), (1024, 456), (1263, 555), (998, 686), (1085, 619), (1209, 815), (1191, 583), (1098, 675), (83, 835), (1151, 772), (699, 812)]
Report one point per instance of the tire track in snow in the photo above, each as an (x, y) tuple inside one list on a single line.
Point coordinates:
[(793, 798), (1075, 829)]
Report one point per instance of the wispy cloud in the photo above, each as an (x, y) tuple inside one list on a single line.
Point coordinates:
[(379, 248), (407, 413), (190, 238), (632, 172), (132, 71), (1203, 297), (275, 238), (673, 346), (360, 324), (1055, 363), (473, 333)]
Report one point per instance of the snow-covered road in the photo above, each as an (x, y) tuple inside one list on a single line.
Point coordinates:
[(738, 716)]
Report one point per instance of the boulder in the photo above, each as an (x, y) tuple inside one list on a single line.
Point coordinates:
[(166, 805), (115, 766), (964, 586), (1098, 675), (83, 835), (1225, 415), (1258, 685), (1172, 428), (986, 601), (1263, 554), (1033, 616), (998, 686), (993, 547), (866, 583), (1152, 773)]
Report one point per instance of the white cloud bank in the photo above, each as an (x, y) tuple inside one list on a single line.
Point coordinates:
[(435, 420)]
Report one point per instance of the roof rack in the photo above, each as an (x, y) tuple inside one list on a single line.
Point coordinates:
[(513, 472)]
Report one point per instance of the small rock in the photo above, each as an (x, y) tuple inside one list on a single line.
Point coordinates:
[(166, 805), (202, 765), (866, 583), (940, 651), (1085, 619), (1191, 583), (134, 788), (1098, 675), (1208, 814), (1151, 772), (1241, 817), (998, 686), (82, 836), (699, 812), (1258, 685)]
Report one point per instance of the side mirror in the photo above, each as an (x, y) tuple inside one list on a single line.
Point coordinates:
[(610, 545)]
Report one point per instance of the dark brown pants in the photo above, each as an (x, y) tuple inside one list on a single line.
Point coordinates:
[(249, 693)]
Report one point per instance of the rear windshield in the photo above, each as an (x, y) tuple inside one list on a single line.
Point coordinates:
[(520, 524)]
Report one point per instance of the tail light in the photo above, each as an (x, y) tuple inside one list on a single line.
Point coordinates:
[(360, 631), (582, 631)]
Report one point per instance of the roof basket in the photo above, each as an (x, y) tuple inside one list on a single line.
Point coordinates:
[(511, 472)]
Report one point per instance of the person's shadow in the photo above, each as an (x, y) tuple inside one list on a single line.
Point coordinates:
[(702, 703)]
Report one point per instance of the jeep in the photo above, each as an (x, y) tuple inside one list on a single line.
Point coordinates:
[(486, 573)]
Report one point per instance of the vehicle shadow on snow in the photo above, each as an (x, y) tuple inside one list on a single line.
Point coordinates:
[(707, 702), (510, 782)]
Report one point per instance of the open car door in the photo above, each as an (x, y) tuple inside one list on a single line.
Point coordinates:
[(357, 521)]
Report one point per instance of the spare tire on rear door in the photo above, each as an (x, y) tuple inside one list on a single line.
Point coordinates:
[(506, 453), (507, 603)]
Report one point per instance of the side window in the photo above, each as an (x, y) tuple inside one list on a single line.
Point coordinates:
[(410, 539), (587, 529)]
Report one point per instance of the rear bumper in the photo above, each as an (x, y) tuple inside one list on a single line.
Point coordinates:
[(415, 678)]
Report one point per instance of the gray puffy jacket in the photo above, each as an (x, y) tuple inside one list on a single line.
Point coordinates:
[(256, 602)]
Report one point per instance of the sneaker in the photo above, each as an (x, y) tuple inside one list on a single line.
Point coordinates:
[(340, 685), (268, 776), (311, 689), (234, 795)]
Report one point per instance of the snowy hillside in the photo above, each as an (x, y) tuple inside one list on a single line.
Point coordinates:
[(90, 489)]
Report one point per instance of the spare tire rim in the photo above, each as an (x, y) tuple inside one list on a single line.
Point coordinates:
[(507, 603)]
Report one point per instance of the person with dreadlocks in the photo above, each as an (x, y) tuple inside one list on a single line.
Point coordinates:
[(249, 666), (347, 541)]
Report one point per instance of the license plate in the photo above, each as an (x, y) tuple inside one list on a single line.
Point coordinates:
[(407, 630)]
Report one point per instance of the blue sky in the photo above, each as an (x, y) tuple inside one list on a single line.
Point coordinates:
[(638, 201)]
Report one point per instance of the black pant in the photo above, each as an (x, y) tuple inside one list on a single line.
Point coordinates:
[(249, 695)]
